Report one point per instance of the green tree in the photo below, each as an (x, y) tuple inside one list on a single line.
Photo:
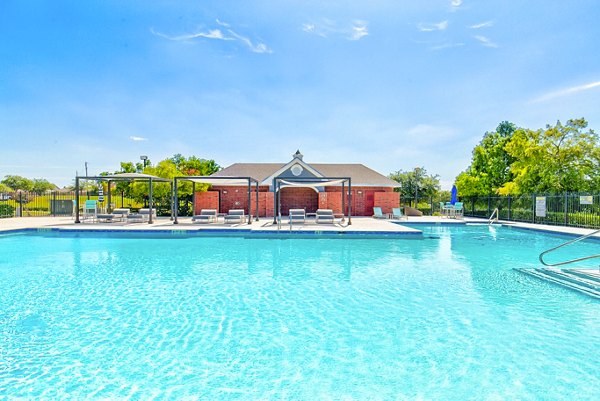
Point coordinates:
[(16, 182), (490, 163), (41, 185), (417, 182), (5, 188), (556, 159)]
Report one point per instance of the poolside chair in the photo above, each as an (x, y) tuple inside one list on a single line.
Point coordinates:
[(120, 213), (90, 210), (235, 216), (378, 214), (397, 214), (205, 216), (458, 210), (297, 216), (324, 216), (145, 212)]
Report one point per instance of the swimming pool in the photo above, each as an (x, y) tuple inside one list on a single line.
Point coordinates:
[(442, 318)]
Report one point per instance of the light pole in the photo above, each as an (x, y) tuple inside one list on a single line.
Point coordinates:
[(143, 159)]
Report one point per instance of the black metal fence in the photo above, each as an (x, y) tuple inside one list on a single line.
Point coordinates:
[(61, 203), (568, 209)]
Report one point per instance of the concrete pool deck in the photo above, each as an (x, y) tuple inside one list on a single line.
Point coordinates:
[(360, 225)]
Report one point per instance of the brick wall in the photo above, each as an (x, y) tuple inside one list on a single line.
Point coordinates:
[(331, 200), (206, 200), (363, 199), (299, 198), (387, 200)]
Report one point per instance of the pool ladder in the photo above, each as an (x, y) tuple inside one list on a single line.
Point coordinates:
[(541, 257), (492, 219)]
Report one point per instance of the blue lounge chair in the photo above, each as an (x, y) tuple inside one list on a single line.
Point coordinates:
[(397, 214), (90, 210), (378, 214)]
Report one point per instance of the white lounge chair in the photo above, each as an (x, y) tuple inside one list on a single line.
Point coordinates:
[(324, 216), (235, 216), (205, 216), (297, 216), (121, 213)]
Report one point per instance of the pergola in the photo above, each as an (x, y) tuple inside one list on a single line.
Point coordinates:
[(312, 182), (223, 181), (119, 177)]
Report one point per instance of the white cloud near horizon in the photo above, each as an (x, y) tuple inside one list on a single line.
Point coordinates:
[(567, 91), (485, 41), (485, 24), (440, 26), (456, 3), (356, 31), (447, 46), (137, 138), (218, 34)]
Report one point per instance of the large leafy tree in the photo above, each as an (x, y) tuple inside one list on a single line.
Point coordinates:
[(418, 182), (16, 182), (556, 159), (41, 185), (490, 163)]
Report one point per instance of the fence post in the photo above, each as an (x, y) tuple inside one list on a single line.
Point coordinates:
[(431, 204), (489, 209), (566, 209), (533, 208), (508, 207), (20, 204), (53, 203)]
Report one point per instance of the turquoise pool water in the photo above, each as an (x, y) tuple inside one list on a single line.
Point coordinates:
[(442, 318)]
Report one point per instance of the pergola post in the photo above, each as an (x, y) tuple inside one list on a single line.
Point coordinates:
[(108, 209), (343, 200), (256, 204), (172, 203), (175, 201), (150, 203), (349, 201), (276, 194), (249, 202), (77, 200)]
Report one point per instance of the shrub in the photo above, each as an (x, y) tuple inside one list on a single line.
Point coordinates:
[(6, 210)]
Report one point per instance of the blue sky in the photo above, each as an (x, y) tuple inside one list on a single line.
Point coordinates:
[(390, 84)]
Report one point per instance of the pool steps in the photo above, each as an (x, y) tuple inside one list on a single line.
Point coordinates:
[(574, 279)]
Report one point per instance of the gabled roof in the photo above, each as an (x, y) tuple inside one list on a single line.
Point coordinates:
[(361, 175)]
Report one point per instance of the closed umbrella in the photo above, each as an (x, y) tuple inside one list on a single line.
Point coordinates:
[(454, 195)]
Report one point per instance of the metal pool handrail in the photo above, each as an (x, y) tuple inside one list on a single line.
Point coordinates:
[(491, 219), (541, 257)]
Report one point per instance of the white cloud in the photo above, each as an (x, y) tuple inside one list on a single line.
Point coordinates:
[(138, 138), (567, 91), (217, 34), (485, 24), (327, 28), (456, 3), (211, 34), (440, 26), (446, 46), (485, 41), (359, 30)]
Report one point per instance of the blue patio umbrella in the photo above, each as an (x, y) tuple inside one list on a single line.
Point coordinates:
[(453, 195)]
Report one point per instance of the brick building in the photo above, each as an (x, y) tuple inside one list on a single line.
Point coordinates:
[(369, 188)]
